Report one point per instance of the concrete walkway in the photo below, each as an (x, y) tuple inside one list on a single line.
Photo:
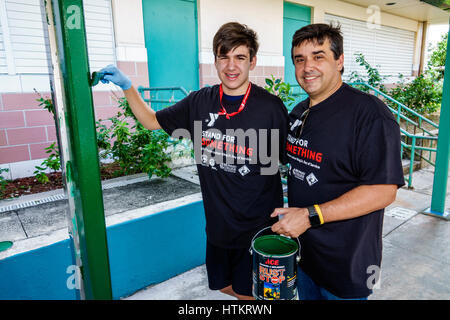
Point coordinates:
[(416, 255), (416, 247)]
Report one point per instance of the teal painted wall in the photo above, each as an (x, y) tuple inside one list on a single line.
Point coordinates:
[(142, 252), (294, 17), (170, 28), (38, 274)]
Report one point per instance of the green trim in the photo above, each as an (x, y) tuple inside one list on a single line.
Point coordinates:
[(296, 12), (443, 145), (86, 194)]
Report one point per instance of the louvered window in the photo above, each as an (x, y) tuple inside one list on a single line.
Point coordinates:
[(392, 49), (28, 43)]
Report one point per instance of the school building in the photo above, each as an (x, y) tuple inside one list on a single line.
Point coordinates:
[(160, 43)]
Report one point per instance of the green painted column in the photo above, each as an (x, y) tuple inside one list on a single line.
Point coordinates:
[(79, 154), (443, 150)]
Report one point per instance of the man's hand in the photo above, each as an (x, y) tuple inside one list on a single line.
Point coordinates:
[(294, 222), (113, 74), (357, 202)]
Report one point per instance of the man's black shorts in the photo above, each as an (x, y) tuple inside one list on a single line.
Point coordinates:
[(229, 267)]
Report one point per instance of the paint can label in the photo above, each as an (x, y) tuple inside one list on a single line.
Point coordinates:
[(274, 278)]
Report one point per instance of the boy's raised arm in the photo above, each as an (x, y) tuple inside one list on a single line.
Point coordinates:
[(145, 115)]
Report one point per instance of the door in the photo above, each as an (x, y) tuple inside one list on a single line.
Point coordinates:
[(170, 28), (294, 17)]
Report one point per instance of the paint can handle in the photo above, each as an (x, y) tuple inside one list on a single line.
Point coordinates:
[(254, 237)]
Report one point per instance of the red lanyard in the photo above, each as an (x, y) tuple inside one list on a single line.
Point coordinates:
[(223, 111)]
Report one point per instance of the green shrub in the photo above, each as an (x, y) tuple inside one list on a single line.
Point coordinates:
[(280, 89), (53, 162), (135, 148), (3, 181), (423, 94), (436, 62), (374, 78)]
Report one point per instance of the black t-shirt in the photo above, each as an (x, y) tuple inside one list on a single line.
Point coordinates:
[(238, 199), (349, 139)]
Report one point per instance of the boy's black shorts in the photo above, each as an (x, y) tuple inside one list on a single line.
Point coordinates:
[(229, 267)]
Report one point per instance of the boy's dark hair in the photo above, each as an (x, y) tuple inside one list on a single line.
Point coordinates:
[(232, 35), (318, 32)]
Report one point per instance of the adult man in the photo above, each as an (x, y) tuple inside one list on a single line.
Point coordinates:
[(344, 153), (238, 197)]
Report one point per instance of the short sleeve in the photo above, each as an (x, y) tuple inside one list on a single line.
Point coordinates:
[(378, 153), (175, 117)]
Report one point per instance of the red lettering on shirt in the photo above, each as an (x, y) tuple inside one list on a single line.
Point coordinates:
[(304, 153)]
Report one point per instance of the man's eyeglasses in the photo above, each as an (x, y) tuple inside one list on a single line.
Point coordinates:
[(303, 117)]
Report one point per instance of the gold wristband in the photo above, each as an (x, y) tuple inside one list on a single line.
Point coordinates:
[(319, 213)]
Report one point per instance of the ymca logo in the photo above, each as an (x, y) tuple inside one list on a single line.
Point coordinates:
[(212, 119)]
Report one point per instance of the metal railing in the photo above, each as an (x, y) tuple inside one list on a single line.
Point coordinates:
[(298, 94), (160, 97)]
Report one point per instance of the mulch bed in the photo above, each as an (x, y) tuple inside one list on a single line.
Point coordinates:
[(29, 185)]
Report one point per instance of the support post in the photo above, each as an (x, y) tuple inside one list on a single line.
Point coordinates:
[(437, 208), (72, 97)]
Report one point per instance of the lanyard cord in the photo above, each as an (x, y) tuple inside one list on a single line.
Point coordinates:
[(223, 111)]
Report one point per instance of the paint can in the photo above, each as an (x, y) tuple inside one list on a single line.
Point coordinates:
[(275, 259)]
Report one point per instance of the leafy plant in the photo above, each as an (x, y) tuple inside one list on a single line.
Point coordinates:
[(47, 103), (135, 148), (3, 181), (53, 161), (103, 139), (423, 94), (374, 78), (280, 89), (436, 62)]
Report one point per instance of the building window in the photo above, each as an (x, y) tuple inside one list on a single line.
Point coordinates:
[(23, 42), (389, 49)]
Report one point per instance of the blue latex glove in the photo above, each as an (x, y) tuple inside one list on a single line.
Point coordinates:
[(113, 74)]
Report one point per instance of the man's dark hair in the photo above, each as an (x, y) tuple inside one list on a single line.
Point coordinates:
[(319, 32), (232, 35)]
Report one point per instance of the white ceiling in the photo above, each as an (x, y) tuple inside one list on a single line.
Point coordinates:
[(413, 9)]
